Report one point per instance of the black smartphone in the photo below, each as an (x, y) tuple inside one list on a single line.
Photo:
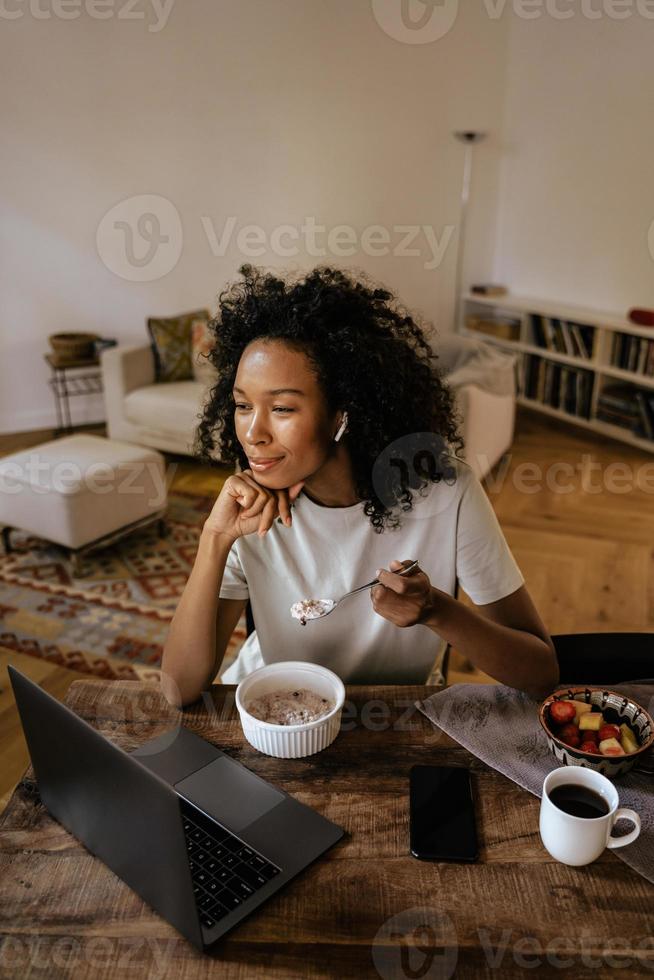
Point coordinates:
[(442, 814)]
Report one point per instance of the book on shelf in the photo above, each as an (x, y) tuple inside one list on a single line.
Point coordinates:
[(502, 328), (559, 386), (632, 353), (562, 336), (627, 407), (646, 408)]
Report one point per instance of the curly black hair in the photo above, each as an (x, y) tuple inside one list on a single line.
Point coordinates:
[(371, 359)]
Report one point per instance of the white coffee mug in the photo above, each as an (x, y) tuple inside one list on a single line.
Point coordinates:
[(580, 840)]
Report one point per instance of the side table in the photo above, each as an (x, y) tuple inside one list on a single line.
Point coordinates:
[(66, 386)]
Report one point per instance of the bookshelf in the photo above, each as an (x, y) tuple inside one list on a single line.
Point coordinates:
[(592, 369)]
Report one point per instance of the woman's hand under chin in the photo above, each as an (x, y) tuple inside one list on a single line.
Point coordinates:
[(244, 506), (405, 600)]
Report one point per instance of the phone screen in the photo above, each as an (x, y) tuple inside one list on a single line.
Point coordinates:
[(442, 814)]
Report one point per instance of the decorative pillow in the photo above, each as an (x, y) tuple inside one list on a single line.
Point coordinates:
[(171, 345), (202, 341)]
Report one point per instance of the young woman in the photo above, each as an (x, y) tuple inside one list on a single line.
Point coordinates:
[(329, 400)]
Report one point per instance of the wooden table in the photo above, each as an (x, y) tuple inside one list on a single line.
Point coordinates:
[(366, 909)]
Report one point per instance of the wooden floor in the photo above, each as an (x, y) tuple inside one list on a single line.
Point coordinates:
[(577, 510)]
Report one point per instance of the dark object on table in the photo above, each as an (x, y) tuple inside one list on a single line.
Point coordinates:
[(442, 814), (604, 658), (102, 343), (72, 346), (644, 318), (488, 289)]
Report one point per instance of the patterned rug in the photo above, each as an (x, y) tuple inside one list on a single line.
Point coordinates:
[(112, 620)]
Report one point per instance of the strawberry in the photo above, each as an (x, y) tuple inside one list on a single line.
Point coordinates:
[(608, 731), (570, 735), (589, 737), (562, 712), (589, 747)]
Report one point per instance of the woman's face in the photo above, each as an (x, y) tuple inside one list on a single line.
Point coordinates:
[(281, 415)]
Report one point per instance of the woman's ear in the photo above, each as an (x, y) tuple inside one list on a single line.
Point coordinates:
[(342, 428)]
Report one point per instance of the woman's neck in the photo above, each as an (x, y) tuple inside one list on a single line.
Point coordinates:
[(333, 484)]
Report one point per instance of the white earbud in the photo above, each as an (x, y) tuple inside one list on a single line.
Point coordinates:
[(342, 429)]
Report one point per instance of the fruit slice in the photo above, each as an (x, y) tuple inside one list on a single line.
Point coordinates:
[(609, 731), (562, 712), (591, 721), (570, 735), (628, 740), (611, 746), (589, 747), (582, 708)]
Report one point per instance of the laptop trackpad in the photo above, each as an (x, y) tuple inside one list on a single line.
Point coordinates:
[(230, 793)]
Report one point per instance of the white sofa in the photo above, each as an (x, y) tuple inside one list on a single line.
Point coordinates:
[(165, 416)]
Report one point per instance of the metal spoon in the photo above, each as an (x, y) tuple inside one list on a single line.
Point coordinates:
[(323, 607)]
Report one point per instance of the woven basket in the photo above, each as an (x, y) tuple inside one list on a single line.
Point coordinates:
[(73, 346)]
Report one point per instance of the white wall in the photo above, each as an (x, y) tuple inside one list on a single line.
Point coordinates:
[(271, 112), (577, 181)]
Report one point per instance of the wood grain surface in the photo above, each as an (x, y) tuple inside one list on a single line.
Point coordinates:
[(366, 909)]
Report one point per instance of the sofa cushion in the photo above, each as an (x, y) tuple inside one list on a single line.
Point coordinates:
[(170, 409), (171, 344), (202, 341)]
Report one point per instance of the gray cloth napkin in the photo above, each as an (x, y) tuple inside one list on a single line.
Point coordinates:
[(500, 726)]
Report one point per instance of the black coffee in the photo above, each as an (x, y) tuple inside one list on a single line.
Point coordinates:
[(579, 801)]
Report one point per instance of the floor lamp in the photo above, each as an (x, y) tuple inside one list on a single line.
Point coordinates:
[(469, 138)]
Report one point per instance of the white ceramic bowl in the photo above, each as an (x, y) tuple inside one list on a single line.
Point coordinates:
[(291, 741)]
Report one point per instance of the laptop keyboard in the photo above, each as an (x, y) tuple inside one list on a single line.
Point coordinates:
[(224, 870)]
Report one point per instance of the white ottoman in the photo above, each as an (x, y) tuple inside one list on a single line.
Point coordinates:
[(82, 492)]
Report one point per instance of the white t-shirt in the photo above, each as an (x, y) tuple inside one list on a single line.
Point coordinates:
[(452, 530)]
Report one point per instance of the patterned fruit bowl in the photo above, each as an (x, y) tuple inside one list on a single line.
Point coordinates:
[(596, 728)]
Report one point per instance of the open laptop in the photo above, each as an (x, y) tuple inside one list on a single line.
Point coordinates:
[(201, 838)]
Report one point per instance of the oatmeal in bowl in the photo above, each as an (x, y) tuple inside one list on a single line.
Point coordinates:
[(290, 709)]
